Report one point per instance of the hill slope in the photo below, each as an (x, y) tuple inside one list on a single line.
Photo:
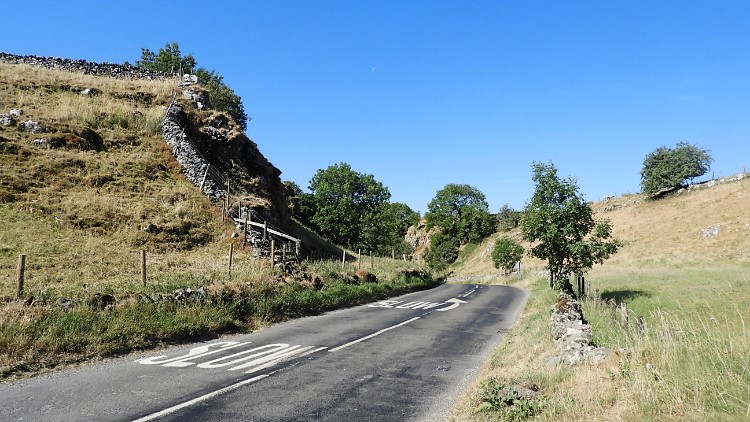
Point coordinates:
[(700, 225)]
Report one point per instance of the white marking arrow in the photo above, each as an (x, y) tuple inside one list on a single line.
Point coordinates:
[(455, 302)]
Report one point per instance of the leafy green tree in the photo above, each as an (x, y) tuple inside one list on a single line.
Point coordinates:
[(222, 97), (561, 226), (347, 206), (443, 251), (170, 60), (666, 169), (506, 253), (461, 212)]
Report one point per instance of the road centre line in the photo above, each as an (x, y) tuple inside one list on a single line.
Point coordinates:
[(335, 349), (196, 400)]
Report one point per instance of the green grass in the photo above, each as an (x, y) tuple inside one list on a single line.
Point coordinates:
[(694, 354)]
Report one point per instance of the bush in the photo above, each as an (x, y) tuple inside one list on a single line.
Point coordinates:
[(506, 254)]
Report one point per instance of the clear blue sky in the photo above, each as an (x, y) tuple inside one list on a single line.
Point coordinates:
[(425, 93)]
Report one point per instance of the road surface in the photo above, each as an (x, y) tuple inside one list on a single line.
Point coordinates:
[(401, 359)]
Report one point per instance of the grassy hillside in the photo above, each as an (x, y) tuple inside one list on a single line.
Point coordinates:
[(76, 199), (691, 289)]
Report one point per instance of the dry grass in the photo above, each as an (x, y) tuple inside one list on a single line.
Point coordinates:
[(692, 291)]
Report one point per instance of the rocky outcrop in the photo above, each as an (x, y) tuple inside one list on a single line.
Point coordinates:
[(572, 333)]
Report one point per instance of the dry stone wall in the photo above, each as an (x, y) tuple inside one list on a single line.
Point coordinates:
[(114, 70)]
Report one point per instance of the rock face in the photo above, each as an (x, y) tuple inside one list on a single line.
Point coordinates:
[(572, 333), (211, 155)]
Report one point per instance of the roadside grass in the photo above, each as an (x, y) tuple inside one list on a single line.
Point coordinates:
[(691, 364)]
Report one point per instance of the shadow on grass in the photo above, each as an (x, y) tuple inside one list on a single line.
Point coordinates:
[(624, 295)]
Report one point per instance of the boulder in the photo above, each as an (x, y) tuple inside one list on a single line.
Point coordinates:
[(7, 120), (31, 126)]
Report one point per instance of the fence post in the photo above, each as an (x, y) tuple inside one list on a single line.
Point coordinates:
[(244, 230), (297, 245), (359, 259), (231, 257), (343, 259), (393, 254), (265, 230), (203, 182), (143, 267), (273, 254), (641, 324), (20, 275), (372, 265), (624, 314)]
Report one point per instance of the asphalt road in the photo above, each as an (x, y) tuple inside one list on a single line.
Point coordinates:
[(403, 359)]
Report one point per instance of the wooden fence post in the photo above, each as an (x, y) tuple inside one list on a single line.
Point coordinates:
[(203, 182), (372, 264), (265, 230), (297, 245), (393, 254), (273, 252), (231, 257), (244, 230), (624, 314), (359, 259), (143, 267), (20, 275), (343, 259), (641, 324)]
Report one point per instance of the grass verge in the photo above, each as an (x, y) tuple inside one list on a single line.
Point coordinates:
[(690, 364)]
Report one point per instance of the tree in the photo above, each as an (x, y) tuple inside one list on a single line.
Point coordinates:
[(666, 169), (394, 220), (561, 226), (461, 212), (506, 253), (507, 218), (347, 206), (442, 252), (170, 60)]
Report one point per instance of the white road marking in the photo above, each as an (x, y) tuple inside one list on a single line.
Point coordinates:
[(335, 349), (455, 302), (196, 400)]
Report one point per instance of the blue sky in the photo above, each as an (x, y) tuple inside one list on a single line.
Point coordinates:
[(425, 93)]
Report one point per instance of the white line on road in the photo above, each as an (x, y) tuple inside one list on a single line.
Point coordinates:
[(204, 397), (374, 334)]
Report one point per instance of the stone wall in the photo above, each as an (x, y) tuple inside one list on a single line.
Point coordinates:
[(82, 66)]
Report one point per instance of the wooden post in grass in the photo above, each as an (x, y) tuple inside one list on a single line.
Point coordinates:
[(273, 254), (393, 254), (265, 230), (244, 229), (641, 324), (359, 259), (624, 314), (231, 257), (343, 259), (20, 275), (371, 261), (143, 267)]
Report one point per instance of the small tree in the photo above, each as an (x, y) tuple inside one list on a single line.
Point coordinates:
[(506, 254), (667, 169), (562, 227)]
